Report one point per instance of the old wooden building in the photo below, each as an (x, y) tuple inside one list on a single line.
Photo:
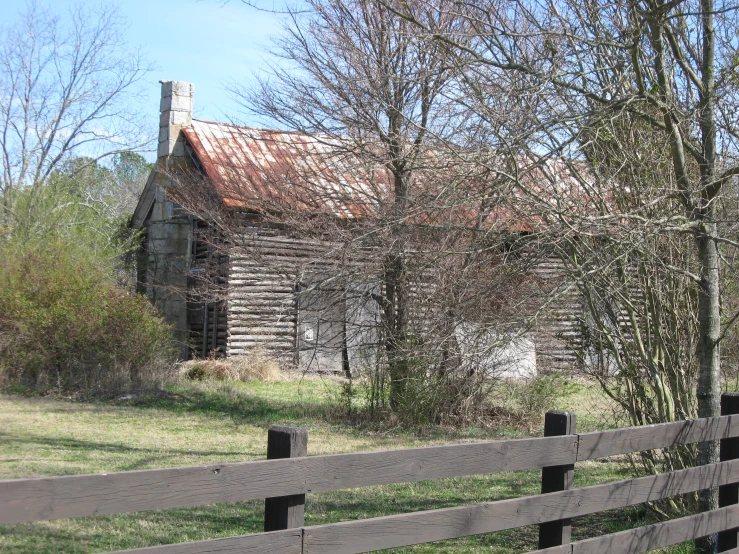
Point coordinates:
[(257, 292)]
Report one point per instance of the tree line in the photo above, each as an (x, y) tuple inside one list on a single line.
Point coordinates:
[(69, 323)]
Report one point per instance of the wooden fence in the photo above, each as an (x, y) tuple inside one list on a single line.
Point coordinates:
[(285, 478)]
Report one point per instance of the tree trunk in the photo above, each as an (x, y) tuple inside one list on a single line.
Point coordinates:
[(709, 378), (396, 294), (709, 294), (395, 328), (709, 320)]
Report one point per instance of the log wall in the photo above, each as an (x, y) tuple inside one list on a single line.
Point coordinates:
[(268, 269), (557, 333), (254, 302), (266, 272)]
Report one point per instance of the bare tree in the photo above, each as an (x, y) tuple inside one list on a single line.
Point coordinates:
[(639, 287), (68, 87), (575, 67), (353, 70)]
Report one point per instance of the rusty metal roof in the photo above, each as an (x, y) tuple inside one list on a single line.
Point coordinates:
[(262, 169)]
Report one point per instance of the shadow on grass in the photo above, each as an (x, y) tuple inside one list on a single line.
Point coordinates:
[(241, 406), (69, 444), (253, 408), (134, 530)]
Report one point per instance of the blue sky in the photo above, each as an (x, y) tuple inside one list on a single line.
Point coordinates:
[(206, 42)]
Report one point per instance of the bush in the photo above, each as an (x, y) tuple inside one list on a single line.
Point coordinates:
[(256, 366), (460, 400), (66, 325), (532, 397)]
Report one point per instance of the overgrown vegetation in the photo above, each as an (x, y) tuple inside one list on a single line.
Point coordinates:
[(66, 325), (69, 321), (457, 401), (68, 182)]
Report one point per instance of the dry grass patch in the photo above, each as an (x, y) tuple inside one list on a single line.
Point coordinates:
[(256, 366)]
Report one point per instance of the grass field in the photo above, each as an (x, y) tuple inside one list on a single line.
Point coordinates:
[(201, 423)]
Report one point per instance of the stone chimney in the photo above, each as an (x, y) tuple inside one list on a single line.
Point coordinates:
[(176, 113), (169, 229)]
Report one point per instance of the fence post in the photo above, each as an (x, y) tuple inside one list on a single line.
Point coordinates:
[(285, 512), (728, 494), (557, 478)]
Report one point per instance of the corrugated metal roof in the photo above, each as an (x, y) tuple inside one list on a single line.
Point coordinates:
[(262, 169), (259, 168)]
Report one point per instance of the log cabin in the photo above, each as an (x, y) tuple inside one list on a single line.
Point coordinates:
[(261, 294)]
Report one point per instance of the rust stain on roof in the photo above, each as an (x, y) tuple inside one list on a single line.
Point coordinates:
[(257, 168)]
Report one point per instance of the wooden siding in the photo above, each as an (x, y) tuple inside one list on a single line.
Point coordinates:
[(268, 269), (557, 332), (264, 277)]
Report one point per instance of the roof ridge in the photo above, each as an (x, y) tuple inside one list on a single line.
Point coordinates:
[(256, 128)]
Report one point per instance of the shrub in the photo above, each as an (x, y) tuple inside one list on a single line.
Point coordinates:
[(460, 400), (534, 396), (66, 325), (255, 366)]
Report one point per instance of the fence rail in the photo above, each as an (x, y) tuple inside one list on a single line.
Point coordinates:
[(285, 481)]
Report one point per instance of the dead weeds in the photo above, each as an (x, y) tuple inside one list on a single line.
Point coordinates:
[(255, 366)]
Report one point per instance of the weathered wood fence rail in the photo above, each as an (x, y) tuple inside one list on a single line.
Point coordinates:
[(285, 480)]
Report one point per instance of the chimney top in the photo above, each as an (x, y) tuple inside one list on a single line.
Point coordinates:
[(176, 106)]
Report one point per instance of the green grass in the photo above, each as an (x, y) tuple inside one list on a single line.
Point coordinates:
[(200, 423)]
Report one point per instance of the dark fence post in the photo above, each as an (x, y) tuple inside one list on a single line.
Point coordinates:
[(285, 512), (557, 478), (728, 494)]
